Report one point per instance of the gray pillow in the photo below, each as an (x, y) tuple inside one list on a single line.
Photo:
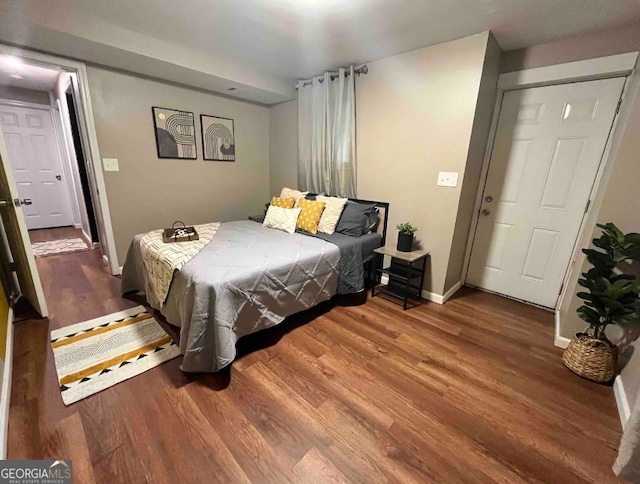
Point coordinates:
[(355, 219)]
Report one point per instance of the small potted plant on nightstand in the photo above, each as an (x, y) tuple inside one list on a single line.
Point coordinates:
[(405, 237), (612, 299)]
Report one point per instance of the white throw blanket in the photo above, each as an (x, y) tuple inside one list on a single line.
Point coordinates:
[(162, 259)]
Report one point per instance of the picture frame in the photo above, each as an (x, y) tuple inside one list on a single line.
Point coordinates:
[(218, 138), (175, 133)]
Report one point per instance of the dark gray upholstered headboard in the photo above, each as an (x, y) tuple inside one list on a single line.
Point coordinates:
[(383, 208)]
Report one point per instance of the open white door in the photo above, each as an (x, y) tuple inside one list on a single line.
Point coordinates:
[(18, 236)]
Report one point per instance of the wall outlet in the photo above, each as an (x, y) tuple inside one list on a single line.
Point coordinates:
[(110, 164), (447, 179)]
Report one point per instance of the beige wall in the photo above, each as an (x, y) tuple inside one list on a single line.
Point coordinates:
[(283, 146), (150, 193), (24, 95), (475, 157), (415, 115), (597, 44)]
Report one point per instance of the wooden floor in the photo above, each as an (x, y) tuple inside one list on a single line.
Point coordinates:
[(472, 391)]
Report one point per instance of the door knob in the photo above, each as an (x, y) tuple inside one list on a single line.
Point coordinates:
[(489, 199), (486, 211), (25, 201), (58, 177)]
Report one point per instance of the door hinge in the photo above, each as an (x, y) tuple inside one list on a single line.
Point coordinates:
[(561, 288), (586, 208), (618, 106)]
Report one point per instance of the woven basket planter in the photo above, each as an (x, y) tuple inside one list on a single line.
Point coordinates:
[(591, 358)]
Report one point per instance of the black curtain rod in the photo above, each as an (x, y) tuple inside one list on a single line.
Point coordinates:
[(360, 70)]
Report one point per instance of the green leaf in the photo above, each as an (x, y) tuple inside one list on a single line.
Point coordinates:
[(611, 303), (589, 315), (613, 230), (622, 277)]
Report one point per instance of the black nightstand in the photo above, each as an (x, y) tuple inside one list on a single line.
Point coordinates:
[(257, 218), (402, 274)]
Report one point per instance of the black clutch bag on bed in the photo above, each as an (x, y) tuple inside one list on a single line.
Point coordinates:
[(179, 234)]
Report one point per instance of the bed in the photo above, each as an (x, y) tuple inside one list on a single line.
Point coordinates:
[(249, 278)]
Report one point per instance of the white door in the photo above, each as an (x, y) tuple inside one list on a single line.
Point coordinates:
[(16, 230), (37, 165), (548, 146)]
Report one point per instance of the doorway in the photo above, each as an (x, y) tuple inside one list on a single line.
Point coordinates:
[(547, 151), (68, 105), (41, 136)]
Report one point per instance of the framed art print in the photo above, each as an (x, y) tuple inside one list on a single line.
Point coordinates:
[(218, 138), (175, 133)]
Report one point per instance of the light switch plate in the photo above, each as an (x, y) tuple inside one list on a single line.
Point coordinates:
[(447, 179), (110, 164)]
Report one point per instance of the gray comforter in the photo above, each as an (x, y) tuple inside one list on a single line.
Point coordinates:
[(246, 279)]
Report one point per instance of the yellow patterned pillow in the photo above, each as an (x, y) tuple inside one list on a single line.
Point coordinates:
[(283, 202), (310, 215)]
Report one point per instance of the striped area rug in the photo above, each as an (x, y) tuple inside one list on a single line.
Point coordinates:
[(56, 247), (97, 354)]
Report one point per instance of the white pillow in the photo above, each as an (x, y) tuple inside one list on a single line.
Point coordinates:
[(281, 218), (332, 210), (290, 192)]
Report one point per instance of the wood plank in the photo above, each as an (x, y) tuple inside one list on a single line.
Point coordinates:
[(355, 390)]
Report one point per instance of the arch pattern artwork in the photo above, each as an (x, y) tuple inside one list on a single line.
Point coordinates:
[(175, 133), (218, 139)]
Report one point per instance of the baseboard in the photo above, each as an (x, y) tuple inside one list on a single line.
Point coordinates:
[(447, 295), (77, 226), (5, 397), (624, 410), (431, 296), (559, 341), (86, 238)]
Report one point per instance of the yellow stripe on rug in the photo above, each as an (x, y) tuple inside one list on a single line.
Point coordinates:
[(97, 354), (96, 331), (112, 362)]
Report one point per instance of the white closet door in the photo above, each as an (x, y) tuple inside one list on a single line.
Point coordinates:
[(549, 144), (37, 165)]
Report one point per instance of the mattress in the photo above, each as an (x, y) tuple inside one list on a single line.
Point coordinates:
[(246, 279)]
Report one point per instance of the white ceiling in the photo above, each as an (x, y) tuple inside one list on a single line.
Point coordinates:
[(15, 73), (261, 46), (300, 38)]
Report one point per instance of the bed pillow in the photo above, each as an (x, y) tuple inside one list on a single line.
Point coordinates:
[(281, 218), (355, 219), (290, 192), (283, 202), (331, 215), (310, 215)]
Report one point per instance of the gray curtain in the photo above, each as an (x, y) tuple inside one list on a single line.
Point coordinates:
[(327, 134)]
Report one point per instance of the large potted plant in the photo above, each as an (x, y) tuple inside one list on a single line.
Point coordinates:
[(405, 236), (612, 298)]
